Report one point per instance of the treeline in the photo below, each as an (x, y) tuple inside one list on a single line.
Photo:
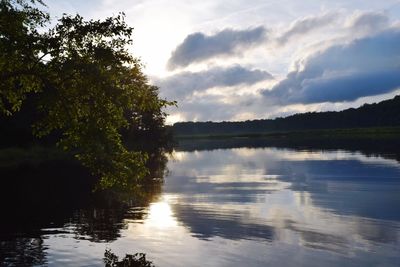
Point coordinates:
[(382, 114)]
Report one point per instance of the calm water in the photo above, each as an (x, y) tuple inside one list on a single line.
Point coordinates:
[(227, 207)]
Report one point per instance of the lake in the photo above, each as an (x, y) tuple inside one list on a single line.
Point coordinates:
[(217, 206)]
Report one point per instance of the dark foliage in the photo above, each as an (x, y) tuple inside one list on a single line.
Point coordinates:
[(135, 260)]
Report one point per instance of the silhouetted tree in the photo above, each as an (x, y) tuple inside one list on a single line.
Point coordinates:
[(82, 83)]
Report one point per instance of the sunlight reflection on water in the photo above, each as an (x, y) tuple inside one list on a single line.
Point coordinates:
[(160, 215)]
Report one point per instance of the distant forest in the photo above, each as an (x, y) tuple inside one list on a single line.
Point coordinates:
[(382, 114)]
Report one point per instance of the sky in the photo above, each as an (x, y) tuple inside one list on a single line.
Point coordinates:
[(242, 60)]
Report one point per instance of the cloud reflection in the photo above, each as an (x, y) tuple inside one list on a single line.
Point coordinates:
[(288, 196)]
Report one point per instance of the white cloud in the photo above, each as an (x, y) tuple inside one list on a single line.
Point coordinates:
[(307, 25)]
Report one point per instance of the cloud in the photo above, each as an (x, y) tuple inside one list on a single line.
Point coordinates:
[(186, 83), (198, 47), (368, 22), (306, 25), (204, 108), (365, 67)]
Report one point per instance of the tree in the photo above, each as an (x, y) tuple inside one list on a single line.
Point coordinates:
[(85, 84)]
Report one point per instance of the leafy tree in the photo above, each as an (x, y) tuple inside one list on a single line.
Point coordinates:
[(85, 84)]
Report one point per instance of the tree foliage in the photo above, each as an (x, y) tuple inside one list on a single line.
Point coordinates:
[(86, 85)]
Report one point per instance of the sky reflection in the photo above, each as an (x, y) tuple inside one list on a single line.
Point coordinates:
[(258, 207), (339, 202)]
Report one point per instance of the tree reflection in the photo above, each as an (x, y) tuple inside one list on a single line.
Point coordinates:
[(135, 260), (60, 194), (111, 206), (22, 251), (383, 147)]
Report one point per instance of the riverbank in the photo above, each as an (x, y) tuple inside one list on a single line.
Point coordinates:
[(376, 132)]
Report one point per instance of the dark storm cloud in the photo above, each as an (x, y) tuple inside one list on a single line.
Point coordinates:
[(198, 47), (306, 25), (365, 67), (185, 83)]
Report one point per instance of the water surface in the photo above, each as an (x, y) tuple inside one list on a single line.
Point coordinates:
[(262, 206)]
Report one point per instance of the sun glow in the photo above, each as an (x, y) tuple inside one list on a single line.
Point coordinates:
[(174, 117), (161, 215)]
